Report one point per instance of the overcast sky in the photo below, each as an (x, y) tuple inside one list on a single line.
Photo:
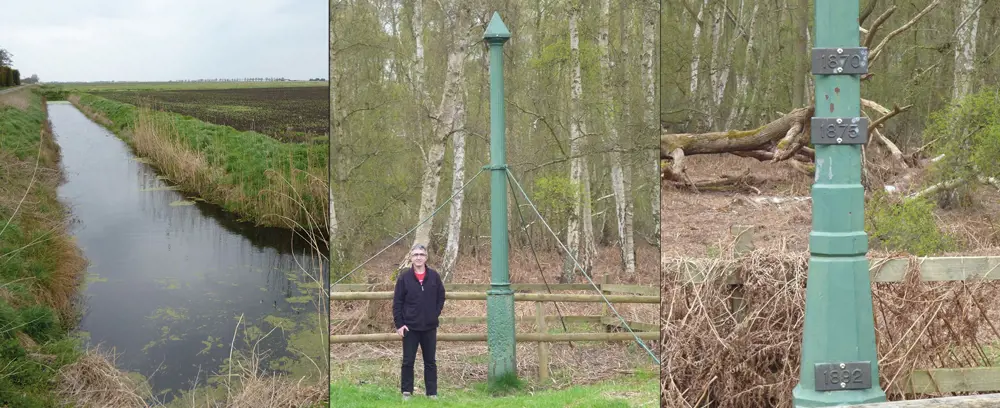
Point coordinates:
[(158, 40)]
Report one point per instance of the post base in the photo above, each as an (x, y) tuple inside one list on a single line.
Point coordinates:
[(806, 397), (500, 334)]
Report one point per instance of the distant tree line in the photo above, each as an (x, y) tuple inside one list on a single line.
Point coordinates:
[(269, 79), (8, 75)]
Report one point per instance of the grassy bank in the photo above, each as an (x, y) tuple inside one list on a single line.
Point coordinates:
[(247, 173), (40, 266), (640, 390), (52, 92)]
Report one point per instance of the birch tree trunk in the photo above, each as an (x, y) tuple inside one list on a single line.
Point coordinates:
[(743, 77), (696, 53), (418, 62), (427, 196), (714, 70), (455, 216), (650, 115), (333, 127), (576, 140), (445, 118), (802, 57), (722, 63), (589, 255), (965, 52), (620, 185)]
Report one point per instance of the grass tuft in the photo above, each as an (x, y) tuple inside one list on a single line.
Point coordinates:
[(505, 385)]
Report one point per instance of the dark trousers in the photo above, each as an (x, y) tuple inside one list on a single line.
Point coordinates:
[(427, 340)]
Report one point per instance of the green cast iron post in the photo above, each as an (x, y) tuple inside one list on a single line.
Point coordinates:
[(500, 299), (839, 362)]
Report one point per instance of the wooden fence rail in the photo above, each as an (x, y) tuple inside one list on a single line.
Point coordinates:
[(523, 297), (931, 269), (614, 293), (517, 287), (521, 337), (967, 401), (604, 320)]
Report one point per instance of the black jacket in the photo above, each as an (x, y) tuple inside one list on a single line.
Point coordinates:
[(418, 307)]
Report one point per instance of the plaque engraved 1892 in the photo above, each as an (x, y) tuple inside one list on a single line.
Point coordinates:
[(843, 376)]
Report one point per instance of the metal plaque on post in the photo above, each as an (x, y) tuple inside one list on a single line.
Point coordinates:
[(843, 376), (840, 61), (839, 131)]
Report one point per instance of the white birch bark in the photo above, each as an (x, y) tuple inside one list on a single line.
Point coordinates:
[(713, 65), (695, 50), (444, 124), (743, 77), (589, 255), (721, 63), (965, 52), (333, 130), (650, 114), (801, 17), (418, 62), (619, 179), (576, 140), (455, 216)]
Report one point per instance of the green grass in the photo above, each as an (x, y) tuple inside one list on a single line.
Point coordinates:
[(640, 390), (20, 129), (38, 264), (52, 92), (145, 86), (244, 159)]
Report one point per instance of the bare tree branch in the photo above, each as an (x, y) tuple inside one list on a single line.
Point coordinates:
[(895, 111), (875, 26), (878, 50), (869, 8)]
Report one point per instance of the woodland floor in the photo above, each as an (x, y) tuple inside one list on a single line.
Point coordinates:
[(697, 224)]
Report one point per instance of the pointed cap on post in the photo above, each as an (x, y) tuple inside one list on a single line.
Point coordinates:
[(496, 31)]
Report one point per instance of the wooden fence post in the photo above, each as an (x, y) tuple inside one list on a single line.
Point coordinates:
[(543, 348), (604, 306), (371, 309), (744, 244)]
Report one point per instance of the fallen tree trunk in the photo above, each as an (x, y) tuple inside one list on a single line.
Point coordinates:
[(782, 139), (763, 138), (785, 138)]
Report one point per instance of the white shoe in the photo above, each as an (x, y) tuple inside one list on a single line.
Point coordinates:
[(406, 396)]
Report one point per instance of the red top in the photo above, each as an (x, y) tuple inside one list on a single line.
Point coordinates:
[(420, 275)]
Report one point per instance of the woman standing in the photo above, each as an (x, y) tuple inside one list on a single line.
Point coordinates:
[(416, 306)]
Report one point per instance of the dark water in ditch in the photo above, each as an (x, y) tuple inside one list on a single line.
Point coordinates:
[(169, 276)]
